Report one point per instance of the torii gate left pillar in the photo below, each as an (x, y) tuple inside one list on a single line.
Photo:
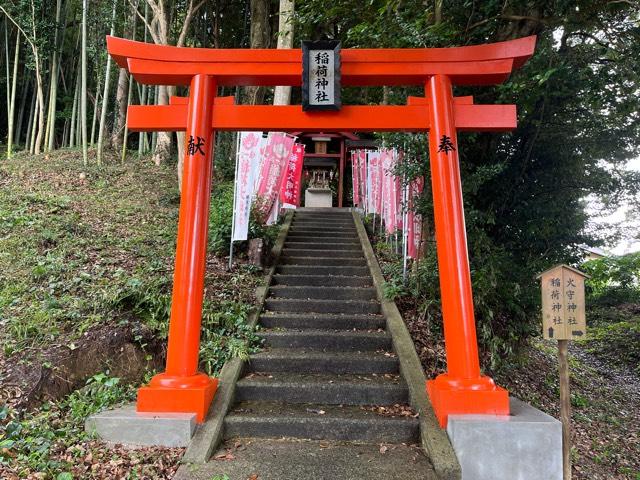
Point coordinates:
[(462, 390), (181, 388)]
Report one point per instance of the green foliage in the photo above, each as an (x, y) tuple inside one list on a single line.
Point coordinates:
[(220, 217), (525, 191), (225, 335), (26, 442), (614, 279), (613, 310)]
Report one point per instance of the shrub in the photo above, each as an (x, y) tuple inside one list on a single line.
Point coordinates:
[(614, 280)]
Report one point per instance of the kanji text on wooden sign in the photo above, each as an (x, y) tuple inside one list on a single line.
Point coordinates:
[(563, 307)]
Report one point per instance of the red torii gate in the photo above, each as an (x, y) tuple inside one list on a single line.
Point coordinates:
[(462, 389)]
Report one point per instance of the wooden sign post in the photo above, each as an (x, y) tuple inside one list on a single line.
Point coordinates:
[(563, 319)]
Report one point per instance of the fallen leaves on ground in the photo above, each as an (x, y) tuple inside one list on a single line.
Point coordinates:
[(396, 410)]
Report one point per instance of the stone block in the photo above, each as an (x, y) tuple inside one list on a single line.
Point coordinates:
[(125, 426), (525, 445), (318, 198)]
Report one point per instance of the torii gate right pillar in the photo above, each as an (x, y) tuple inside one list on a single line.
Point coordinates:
[(462, 389)]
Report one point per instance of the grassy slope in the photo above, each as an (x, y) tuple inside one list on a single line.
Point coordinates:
[(85, 249), (84, 246), (73, 241)]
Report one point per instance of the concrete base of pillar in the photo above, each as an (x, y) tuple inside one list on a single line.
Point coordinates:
[(125, 426), (527, 444)]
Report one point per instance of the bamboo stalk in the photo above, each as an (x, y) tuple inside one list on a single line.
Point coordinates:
[(32, 109), (83, 95), (53, 88), (74, 111), (12, 105)]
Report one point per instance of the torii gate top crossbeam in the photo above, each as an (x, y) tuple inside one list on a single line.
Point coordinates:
[(472, 65)]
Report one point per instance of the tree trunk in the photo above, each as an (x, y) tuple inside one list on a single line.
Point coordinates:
[(162, 152), (12, 103), (122, 112), (53, 86), (260, 37), (159, 30), (83, 95), (23, 104), (144, 94), (282, 93), (154, 135), (122, 94), (32, 111), (105, 92), (74, 113), (94, 119), (6, 51), (437, 12)]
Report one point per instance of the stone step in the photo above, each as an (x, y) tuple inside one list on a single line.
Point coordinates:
[(328, 341), (333, 213), (321, 227), (322, 270), (322, 306), (322, 321), (310, 252), (344, 241), (334, 247), (328, 389), (322, 280), (349, 423), (313, 361), (324, 218), (323, 261), (322, 292), (323, 223), (321, 233)]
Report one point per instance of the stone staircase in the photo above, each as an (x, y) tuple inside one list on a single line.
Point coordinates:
[(327, 353), (324, 398)]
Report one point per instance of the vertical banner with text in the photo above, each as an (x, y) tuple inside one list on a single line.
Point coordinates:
[(390, 197), (355, 176), (276, 153), (362, 178), (374, 181), (290, 191), (248, 163)]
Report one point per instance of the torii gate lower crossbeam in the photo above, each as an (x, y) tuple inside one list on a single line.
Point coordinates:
[(462, 390)]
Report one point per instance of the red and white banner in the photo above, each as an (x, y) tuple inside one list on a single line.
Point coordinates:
[(276, 153), (414, 221), (374, 182), (389, 190), (248, 158), (290, 191), (398, 191), (362, 178), (355, 176)]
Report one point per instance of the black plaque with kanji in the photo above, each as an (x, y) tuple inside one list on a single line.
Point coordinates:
[(321, 75)]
